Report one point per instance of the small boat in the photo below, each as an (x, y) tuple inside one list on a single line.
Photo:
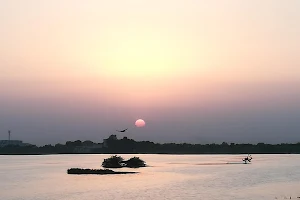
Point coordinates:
[(247, 159)]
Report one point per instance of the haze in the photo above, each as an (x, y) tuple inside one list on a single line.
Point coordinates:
[(195, 71)]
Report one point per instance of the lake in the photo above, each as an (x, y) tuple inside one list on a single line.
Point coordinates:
[(44, 177)]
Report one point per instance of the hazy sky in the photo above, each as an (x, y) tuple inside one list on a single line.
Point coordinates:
[(195, 71)]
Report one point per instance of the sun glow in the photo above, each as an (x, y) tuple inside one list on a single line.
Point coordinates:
[(140, 65), (140, 54)]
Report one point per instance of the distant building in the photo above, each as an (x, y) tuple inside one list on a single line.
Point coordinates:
[(105, 141), (91, 148), (9, 142), (4, 143)]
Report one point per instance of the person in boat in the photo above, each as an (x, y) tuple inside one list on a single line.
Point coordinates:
[(247, 159)]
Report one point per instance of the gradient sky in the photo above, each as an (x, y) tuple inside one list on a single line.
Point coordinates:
[(195, 71)]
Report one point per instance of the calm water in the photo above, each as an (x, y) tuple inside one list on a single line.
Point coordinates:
[(169, 177)]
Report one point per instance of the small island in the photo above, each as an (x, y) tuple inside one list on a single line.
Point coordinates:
[(112, 162), (95, 171), (119, 162)]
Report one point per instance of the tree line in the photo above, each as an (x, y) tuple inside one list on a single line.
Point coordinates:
[(125, 145)]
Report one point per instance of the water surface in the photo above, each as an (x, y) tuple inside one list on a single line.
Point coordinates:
[(44, 177)]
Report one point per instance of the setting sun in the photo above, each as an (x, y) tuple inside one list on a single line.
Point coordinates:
[(140, 123)]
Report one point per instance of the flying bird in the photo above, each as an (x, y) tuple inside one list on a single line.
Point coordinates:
[(123, 130)]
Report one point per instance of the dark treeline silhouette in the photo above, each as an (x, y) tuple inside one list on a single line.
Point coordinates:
[(119, 162), (95, 171), (112, 145)]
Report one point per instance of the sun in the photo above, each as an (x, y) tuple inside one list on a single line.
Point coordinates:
[(140, 123)]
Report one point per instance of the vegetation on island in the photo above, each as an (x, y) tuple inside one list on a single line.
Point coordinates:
[(135, 162), (119, 162), (112, 162), (95, 171), (112, 145)]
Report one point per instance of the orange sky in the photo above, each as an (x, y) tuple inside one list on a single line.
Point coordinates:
[(140, 55)]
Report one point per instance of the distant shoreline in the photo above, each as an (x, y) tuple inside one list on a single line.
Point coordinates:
[(113, 145)]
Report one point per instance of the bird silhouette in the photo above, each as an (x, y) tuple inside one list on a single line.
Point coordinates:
[(123, 130)]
